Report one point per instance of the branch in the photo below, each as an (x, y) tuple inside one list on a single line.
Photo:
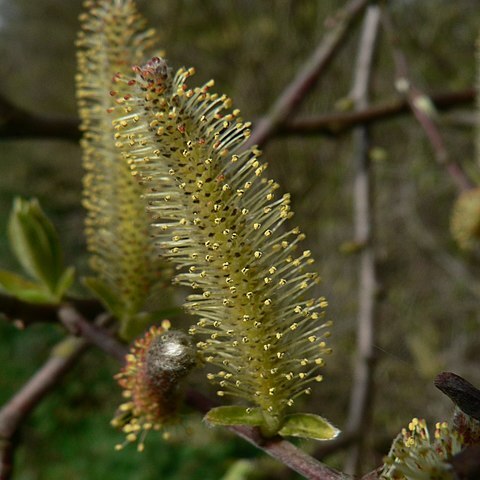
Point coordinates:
[(64, 356), (330, 124), (362, 389), (277, 448), (334, 124), (314, 67), (95, 334), (461, 393), (16, 122), (289, 455), (418, 103), (23, 314)]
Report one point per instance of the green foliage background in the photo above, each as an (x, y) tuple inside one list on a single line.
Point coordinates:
[(429, 316)]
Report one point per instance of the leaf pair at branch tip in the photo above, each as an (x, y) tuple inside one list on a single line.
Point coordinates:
[(35, 243), (304, 425)]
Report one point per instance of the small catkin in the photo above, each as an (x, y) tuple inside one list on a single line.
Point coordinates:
[(151, 380), (414, 455), (465, 220)]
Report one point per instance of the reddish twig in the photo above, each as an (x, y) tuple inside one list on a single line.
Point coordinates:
[(289, 455), (95, 334), (362, 389), (418, 103), (308, 75)]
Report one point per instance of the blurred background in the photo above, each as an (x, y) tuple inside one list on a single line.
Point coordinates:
[(429, 308)]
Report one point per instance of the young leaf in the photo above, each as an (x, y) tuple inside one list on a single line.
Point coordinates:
[(24, 289), (35, 243), (234, 415), (65, 282), (308, 425)]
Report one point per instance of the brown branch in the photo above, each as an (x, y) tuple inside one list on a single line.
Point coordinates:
[(314, 67), (23, 314), (289, 455), (362, 388), (330, 124), (95, 334), (334, 124), (418, 103), (16, 122), (64, 356), (461, 393)]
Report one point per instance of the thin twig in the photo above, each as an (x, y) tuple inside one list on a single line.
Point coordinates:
[(334, 124), (362, 389), (95, 334), (420, 105), (290, 455), (309, 74), (64, 356)]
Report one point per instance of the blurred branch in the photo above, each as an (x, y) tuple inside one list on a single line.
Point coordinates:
[(23, 314), (13, 413), (93, 332), (344, 440), (331, 124), (362, 389), (334, 124), (420, 106), (314, 67), (16, 122)]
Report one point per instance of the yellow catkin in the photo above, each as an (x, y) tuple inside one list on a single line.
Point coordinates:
[(112, 38), (221, 220)]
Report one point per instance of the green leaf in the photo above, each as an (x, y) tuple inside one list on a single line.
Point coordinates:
[(234, 415), (103, 292), (240, 470), (308, 425), (24, 289), (35, 242), (65, 282)]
